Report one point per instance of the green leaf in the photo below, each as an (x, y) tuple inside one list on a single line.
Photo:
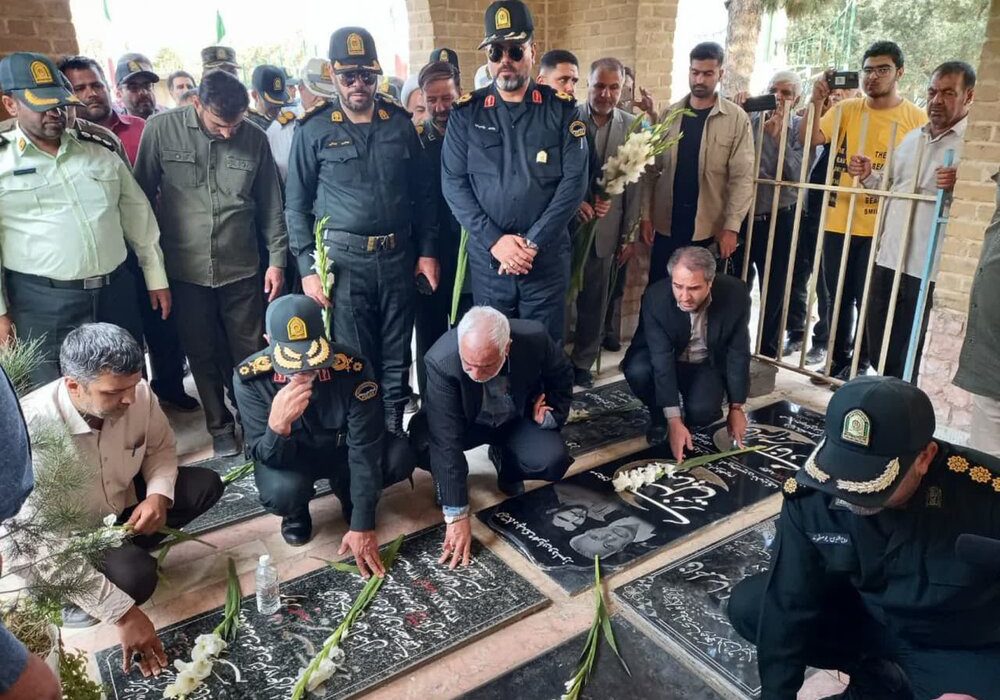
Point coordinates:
[(389, 556), (182, 536), (460, 273), (609, 637), (237, 473), (339, 565)]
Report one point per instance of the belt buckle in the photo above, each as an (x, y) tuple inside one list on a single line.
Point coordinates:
[(93, 282)]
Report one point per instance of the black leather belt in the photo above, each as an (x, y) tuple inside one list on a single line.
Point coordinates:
[(87, 283), (364, 244), (765, 217)]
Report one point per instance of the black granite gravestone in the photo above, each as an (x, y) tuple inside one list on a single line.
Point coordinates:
[(655, 673), (603, 416), (421, 611), (241, 500), (686, 602), (560, 527)]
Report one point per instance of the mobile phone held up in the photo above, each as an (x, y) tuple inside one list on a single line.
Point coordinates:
[(843, 80), (761, 103)]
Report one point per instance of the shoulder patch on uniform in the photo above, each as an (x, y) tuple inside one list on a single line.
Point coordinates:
[(565, 97), (318, 107), (98, 139), (366, 390), (342, 362), (420, 129), (464, 99), (255, 366), (578, 129), (285, 116)]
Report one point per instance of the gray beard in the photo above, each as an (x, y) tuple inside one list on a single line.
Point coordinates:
[(511, 84)]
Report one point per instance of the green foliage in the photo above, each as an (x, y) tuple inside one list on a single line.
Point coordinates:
[(74, 678), (231, 616), (19, 358), (928, 31)]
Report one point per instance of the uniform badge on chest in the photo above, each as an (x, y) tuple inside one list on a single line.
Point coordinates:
[(542, 157)]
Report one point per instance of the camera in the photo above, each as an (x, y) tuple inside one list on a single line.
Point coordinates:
[(843, 80), (761, 103)]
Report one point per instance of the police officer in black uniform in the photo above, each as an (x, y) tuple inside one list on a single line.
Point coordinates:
[(270, 94), (448, 56), (514, 170), (866, 574), (357, 165), (310, 411)]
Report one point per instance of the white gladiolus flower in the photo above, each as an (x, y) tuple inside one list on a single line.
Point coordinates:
[(199, 668), (184, 684), (213, 644), (620, 482), (323, 671), (110, 520)]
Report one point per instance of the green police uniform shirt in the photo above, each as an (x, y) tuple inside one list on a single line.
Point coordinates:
[(901, 561), (69, 216)]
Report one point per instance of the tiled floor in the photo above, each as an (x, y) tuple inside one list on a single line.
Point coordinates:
[(195, 574)]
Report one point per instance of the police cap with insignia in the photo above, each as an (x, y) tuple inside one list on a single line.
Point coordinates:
[(317, 77), (445, 54), (352, 48), (294, 326), (134, 65), (875, 428), (507, 20), (271, 84), (218, 57), (34, 80)]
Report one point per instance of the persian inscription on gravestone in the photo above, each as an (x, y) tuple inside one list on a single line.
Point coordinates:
[(422, 610), (655, 673), (602, 416), (239, 502), (686, 602)]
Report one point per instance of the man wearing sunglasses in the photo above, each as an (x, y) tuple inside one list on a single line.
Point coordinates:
[(514, 171), (357, 165)]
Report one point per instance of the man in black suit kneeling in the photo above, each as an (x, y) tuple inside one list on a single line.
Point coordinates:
[(692, 349), (499, 382)]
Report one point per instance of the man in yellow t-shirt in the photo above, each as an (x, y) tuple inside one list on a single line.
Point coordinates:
[(881, 107)]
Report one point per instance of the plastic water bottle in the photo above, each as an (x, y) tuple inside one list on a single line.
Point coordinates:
[(268, 600)]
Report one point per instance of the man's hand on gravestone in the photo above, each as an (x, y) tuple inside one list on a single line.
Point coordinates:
[(679, 437), (457, 543), (137, 635), (737, 424), (364, 546)]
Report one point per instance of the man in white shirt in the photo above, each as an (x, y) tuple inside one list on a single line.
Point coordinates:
[(118, 427), (918, 166)]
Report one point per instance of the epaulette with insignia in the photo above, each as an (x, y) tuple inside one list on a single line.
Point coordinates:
[(285, 116), (978, 473), (98, 139), (420, 129), (389, 101), (344, 362), (318, 107), (473, 96), (792, 488), (258, 364), (565, 97)]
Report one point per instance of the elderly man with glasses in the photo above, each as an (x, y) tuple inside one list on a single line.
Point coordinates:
[(514, 171), (357, 168)]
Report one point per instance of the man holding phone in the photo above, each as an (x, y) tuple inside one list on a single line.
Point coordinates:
[(882, 106)]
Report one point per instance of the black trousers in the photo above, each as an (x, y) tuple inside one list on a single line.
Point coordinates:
[(539, 295), (846, 634), (591, 305), (798, 314), (373, 297), (850, 301), (219, 327), (780, 256), (131, 567), (902, 322), (527, 451), (432, 314), (40, 310), (162, 339), (287, 491), (700, 386)]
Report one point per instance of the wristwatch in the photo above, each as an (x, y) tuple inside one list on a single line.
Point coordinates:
[(451, 519)]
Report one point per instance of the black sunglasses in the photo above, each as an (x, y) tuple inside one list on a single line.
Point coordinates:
[(496, 52), (365, 76)]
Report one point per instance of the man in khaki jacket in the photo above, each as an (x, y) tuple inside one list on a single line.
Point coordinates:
[(700, 190)]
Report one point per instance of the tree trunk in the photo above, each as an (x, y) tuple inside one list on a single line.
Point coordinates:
[(741, 44)]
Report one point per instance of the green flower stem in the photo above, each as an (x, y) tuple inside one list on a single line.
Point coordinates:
[(234, 595), (361, 602), (321, 266), (237, 473), (460, 273), (583, 241)]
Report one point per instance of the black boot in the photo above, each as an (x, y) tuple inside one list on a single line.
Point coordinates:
[(297, 528)]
